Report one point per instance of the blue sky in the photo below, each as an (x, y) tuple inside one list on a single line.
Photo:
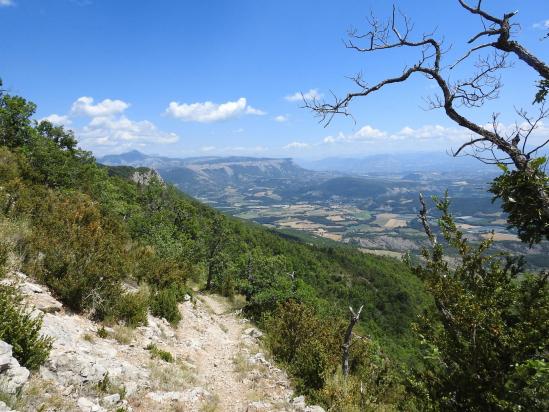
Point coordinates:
[(214, 77)]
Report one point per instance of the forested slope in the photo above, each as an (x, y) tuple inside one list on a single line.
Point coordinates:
[(85, 230)]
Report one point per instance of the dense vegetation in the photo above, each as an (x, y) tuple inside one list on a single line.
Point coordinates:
[(91, 230), (478, 340)]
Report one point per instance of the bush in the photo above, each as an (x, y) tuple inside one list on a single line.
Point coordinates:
[(164, 305), (159, 353), (309, 346), (132, 307), (21, 330), (77, 252)]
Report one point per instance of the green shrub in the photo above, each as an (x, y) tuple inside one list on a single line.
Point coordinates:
[(132, 307), (164, 305), (77, 252), (102, 332), (21, 330), (159, 353), (308, 345)]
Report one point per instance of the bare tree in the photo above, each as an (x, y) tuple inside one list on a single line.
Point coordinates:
[(494, 144), (347, 339)]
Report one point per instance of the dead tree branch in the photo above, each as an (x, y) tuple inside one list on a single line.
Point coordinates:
[(482, 86), (347, 339)]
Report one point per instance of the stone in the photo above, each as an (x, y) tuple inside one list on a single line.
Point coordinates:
[(111, 400), (5, 355), (5, 408), (254, 333), (299, 403), (12, 375), (314, 408), (86, 405), (258, 406), (258, 358)]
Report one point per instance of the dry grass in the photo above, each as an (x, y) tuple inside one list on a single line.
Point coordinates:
[(123, 334), (171, 376), (42, 395)]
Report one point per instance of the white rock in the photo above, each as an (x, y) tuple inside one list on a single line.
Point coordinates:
[(86, 405), (254, 333), (12, 375), (5, 408), (5, 355), (111, 400), (258, 358), (314, 408), (258, 406)]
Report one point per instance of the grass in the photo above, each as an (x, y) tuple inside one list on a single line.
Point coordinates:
[(159, 353), (39, 395), (123, 334), (170, 376), (211, 405)]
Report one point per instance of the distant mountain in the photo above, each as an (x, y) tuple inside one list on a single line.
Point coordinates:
[(199, 176), (391, 164)]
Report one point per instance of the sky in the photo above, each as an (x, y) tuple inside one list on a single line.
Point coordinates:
[(201, 78)]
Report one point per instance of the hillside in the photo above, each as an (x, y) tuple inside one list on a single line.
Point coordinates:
[(87, 232), (201, 176), (213, 360)]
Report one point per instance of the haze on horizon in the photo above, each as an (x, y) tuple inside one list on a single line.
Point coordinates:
[(180, 80)]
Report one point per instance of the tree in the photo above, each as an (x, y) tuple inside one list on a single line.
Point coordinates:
[(15, 120), (486, 346), (216, 239), (490, 145)]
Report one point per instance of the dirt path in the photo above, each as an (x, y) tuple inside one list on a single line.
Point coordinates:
[(228, 359)]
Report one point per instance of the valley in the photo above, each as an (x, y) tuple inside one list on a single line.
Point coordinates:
[(374, 210)]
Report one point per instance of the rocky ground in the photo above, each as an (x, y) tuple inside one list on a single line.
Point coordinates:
[(218, 363)]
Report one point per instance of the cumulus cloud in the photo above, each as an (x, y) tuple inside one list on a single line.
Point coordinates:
[(57, 120), (369, 134), (6, 3), (208, 112), (543, 25), (281, 118), (111, 131), (296, 145), (84, 106), (366, 133), (312, 94)]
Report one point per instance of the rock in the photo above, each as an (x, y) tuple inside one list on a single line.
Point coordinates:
[(314, 408), (300, 406), (258, 358), (187, 297), (299, 403), (12, 375), (5, 408), (5, 356), (111, 400), (258, 406), (86, 405), (190, 395), (254, 333)]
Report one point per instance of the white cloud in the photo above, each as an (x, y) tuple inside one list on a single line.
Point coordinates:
[(57, 120), (84, 106), (207, 148), (281, 118), (6, 3), (296, 145), (254, 111), (109, 131), (208, 112), (366, 133), (312, 94), (543, 25)]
